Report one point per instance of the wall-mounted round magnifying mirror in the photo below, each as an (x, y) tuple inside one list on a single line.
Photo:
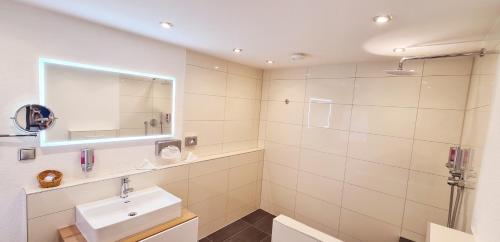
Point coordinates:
[(34, 118)]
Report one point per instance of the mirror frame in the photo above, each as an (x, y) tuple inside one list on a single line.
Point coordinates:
[(41, 87)]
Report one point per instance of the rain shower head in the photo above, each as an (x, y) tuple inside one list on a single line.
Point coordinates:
[(400, 71)]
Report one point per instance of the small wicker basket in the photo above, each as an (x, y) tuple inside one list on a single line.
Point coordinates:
[(54, 183)]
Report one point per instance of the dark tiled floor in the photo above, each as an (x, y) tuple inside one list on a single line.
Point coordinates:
[(255, 227)]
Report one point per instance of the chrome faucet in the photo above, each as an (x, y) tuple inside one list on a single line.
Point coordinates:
[(125, 189)]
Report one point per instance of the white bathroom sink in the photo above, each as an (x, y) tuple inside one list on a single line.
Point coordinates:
[(116, 218)]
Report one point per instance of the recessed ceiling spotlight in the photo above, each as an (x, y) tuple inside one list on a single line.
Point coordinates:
[(398, 50), (269, 62), (166, 25), (237, 50), (382, 19)]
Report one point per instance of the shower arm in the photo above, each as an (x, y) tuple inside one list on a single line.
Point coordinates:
[(481, 53)]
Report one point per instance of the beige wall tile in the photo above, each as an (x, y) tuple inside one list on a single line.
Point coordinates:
[(243, 196), (239, 146), (207, 186), (317, 210), (280, 175), (246, 158), (381, 206), (448, 66), (417, 217), (428, 189), (382, 149), (367, 229), (243, 175), (323, 164), (444, 92), (242, 109), (203, 107), (336, 90), (208, 132), (430, 157), (325, 140), (282, 154), (240, 131), (320, 187), (278, 195), (294, 90), (208, 210), (384, 120), (476, 126), (209, 166), (480, 91), (379, 177), (205, 81), (243, 87), (279, 111), (439, 125), (387, 91), (43, 229), (283, 133), (486, 65), (275, 209)]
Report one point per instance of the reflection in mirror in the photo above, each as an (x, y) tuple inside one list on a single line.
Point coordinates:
[(96, 103), (33, 118)]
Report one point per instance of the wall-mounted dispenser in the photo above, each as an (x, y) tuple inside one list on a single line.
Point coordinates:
[(87, 159), (458, 159)]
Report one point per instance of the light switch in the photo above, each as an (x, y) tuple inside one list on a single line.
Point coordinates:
[(26, 154)]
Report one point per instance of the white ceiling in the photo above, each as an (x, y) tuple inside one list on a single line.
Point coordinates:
[(329, 31)]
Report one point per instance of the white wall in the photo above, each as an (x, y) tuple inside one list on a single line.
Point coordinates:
[(486, 217), (477, 118), (28, 33), (378, 171)]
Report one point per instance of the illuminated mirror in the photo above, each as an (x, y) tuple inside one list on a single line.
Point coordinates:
[(99, 104)]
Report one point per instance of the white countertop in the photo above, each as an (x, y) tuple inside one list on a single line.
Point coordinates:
[(439, 233), (68, 182)]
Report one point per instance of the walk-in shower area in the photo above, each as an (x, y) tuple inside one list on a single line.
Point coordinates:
[(367, 154)]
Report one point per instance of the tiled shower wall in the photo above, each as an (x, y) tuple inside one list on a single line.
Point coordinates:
[(221, 104), (364, 161)]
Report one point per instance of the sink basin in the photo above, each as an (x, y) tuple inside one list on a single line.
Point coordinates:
[(116, 218)]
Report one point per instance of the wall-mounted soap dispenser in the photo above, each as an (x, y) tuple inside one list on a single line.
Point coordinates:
[(87, 159)]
